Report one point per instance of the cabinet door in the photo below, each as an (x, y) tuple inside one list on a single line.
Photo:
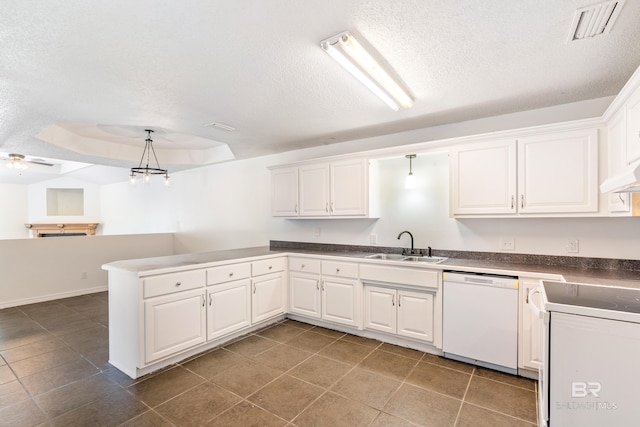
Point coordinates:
[(314, 190), (530, 328), (483, 178), (304, 298), (284, 192), (340, 301), (558, 173), (349, 188), (617, 159), (633, 127), (415, 315), (174, 323), (268, 297), (229, 308), (380, 309)]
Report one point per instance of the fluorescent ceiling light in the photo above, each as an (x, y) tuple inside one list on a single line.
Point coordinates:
[(349, 53)]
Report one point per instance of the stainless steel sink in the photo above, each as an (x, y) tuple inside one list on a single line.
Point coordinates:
[(426, 259), (395, 257), (412, 258)]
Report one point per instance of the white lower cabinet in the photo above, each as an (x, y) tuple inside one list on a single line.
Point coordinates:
[(415, 315), (334, 295), (228, 308), (173, 323), (268, 297), (340, 301), (305, 297), (530, 327), (398, 311)]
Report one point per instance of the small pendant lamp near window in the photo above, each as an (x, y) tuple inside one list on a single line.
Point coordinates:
[(147, 171), (410, 181)]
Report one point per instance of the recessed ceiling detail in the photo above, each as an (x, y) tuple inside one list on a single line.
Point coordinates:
[(594, 20), (121, 142)]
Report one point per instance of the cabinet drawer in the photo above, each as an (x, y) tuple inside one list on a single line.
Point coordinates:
[(340, 269), (173, 282), (267, 266), (305, 265), (227, 273), (401, 276)]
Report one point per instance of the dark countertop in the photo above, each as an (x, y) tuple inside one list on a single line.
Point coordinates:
[(598, 276)]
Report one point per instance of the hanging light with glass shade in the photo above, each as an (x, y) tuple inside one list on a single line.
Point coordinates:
[(410, 180), (147, 171)]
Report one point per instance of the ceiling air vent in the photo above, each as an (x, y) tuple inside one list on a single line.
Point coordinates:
[(594, 20)]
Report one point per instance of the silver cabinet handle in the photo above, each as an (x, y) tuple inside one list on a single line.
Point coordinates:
[(210, 299), (295, 208), (254, 288), (317, 285), (393, 300), (399, 300), (331, 207), (512, 201), (522, 200), (337, 270), (231, 274), (301, 265), (326, 207), (270, 267), (322, 286), (178, 284), (204, 300)]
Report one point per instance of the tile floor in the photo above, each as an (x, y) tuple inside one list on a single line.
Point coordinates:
[(54, 372)]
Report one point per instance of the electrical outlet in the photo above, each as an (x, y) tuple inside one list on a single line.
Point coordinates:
[(373, 239), (507, 244), (572, 246)]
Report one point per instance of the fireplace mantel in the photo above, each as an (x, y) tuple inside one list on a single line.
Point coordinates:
[(43, 230)]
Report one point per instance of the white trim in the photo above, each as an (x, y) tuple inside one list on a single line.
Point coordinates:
[(50, 297)]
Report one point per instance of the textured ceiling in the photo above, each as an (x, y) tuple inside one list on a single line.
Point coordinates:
[(256, 65)]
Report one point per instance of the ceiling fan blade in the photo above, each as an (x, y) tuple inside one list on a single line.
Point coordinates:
[(38, 162)]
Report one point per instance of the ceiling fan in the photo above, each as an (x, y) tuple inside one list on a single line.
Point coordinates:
[(18, 161)]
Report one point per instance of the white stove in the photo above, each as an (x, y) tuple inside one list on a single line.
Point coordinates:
[(591, 344)]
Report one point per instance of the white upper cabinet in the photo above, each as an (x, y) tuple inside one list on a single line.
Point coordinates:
[(284, 192), (349, 188), (558, 173), (546, 174), (483, 178), (314, 190), (633, 127), (325, 189), (617, 159)]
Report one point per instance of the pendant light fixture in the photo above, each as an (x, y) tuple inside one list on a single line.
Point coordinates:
[(410, 181), (147, 171)]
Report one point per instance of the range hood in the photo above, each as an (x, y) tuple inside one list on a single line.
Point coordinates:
[(627, 181)]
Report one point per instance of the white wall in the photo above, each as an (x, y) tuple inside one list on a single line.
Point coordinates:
[(139, 208), (34, 270), (13, 211), (223, 207), (424, 211), (37, 203)]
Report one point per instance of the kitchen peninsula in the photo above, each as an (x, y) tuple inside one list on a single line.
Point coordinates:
[(165, 309)]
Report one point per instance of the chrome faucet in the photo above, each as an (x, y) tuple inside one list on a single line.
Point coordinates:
[(410, 235)]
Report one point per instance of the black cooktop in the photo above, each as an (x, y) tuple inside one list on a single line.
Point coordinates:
[(600, 297)]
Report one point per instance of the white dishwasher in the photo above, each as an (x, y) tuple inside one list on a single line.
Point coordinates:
[(480, 320)]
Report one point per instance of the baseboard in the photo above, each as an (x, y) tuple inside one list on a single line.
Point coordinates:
[(43, 298)]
